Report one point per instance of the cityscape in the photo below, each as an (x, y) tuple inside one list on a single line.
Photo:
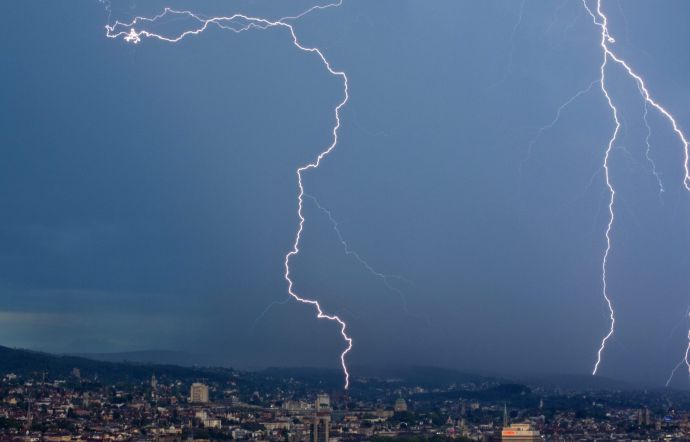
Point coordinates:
[(345, 221), (306, 405)]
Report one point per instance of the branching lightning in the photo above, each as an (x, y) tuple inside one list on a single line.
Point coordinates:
[(349, 252), (601, 20), (139, 28), (556, 118), (108, 8), (516, 26), (648, 147), (684, 360), (134, 31)]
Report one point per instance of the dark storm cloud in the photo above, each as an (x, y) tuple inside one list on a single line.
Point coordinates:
[(147, 193)]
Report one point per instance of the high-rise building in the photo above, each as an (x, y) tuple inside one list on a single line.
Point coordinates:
[(323, 403), (400, 405), (321, 424), (198, 393), (520, 433)]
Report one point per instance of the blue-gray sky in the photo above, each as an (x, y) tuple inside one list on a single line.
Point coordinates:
[(148, 193)]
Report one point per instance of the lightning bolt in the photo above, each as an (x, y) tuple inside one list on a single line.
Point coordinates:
[(135, 30), (601, 20), (385, 278), (686, 356), (683, 360), (648, 150), (108, 8), (556, 118), (511, 59)]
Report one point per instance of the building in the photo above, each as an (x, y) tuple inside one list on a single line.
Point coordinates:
[(198, 393), (212, 422), (323, 404), (520, 433), (321, 423), (400, 405)]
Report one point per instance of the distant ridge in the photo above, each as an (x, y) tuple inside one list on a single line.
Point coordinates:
[(166, 357), (432, 377), (30, 363), (444, 376), (130, 366), (423, 375), (577, 382)]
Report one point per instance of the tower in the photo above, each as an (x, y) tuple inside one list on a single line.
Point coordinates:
[(154, 385), (29, 416), (321, 424)]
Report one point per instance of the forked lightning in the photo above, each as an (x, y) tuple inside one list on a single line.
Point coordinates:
[(136, 30)]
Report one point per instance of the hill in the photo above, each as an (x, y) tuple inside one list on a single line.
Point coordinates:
[(26, 363)]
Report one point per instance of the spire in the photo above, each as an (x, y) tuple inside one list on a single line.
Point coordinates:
[(505, 415)]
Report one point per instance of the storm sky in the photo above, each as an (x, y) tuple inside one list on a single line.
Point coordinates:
[(148, 192)]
